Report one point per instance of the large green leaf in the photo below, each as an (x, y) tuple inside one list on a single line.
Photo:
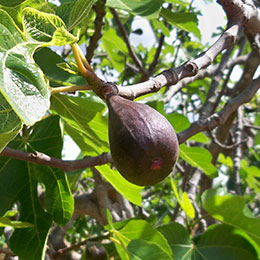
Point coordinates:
[(140, 249), (218, 242), (198, 157), (178, 239), (10, 123), (47, 138), (146, 8), (22, 179), (230, 210), (226, 242), (140, 229), (84, 122), (46, 28), (184, 21), (21, 80)]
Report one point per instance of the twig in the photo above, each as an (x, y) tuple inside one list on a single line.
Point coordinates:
[(221, 117), (6, 251), (238, 151), (202, 74), (213, 93), (67, 166), (157, 54), (226, 147), (253, 127), (124, 34), (100, 11)]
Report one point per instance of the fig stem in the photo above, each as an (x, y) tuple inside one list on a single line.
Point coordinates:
[(84, 68), (70, 88)]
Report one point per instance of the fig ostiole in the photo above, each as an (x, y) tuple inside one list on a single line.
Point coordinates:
[(143, 143)]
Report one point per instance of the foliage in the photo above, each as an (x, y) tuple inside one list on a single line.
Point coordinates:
[(207, 209)]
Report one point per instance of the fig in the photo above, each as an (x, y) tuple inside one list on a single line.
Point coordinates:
[(143, 144)]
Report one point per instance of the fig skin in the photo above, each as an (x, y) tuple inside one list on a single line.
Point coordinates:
[(143, 143)]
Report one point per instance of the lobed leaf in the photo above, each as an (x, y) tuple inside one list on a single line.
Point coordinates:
[(45, 28), (21, 82), (140, 249), (218, 242), (230, 210), (22, 179), (140, 229)]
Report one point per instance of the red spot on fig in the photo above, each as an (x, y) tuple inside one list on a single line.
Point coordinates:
[(156, 164)]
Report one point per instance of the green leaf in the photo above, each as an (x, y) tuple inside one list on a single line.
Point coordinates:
[(187, 206), (56, 75), (230, 210), (146, 8), (218, 242), (184, 202), (109, 219), (181, 122), (130, 191), (178, 239), (79, 11), (226, 242), (160, 25), (200, 158), (11, 3), (184, 21), (21, 81), (22, 179), (58, 198), (6, 222), (115, 48), (252, 179), (24, 189), (140, 249), (45, 28), (10, 124), (84, 122), (140, 229), (225, 160)]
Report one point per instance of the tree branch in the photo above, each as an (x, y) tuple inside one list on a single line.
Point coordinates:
[(188, 69), (99, 8), (220, 117), (202, 74), (246, 14), (67, 166), (238, 152), (124, 34)]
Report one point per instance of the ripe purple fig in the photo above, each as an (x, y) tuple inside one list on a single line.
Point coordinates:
[(143, 143)]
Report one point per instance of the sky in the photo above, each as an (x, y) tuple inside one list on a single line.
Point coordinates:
[(212, 17)]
